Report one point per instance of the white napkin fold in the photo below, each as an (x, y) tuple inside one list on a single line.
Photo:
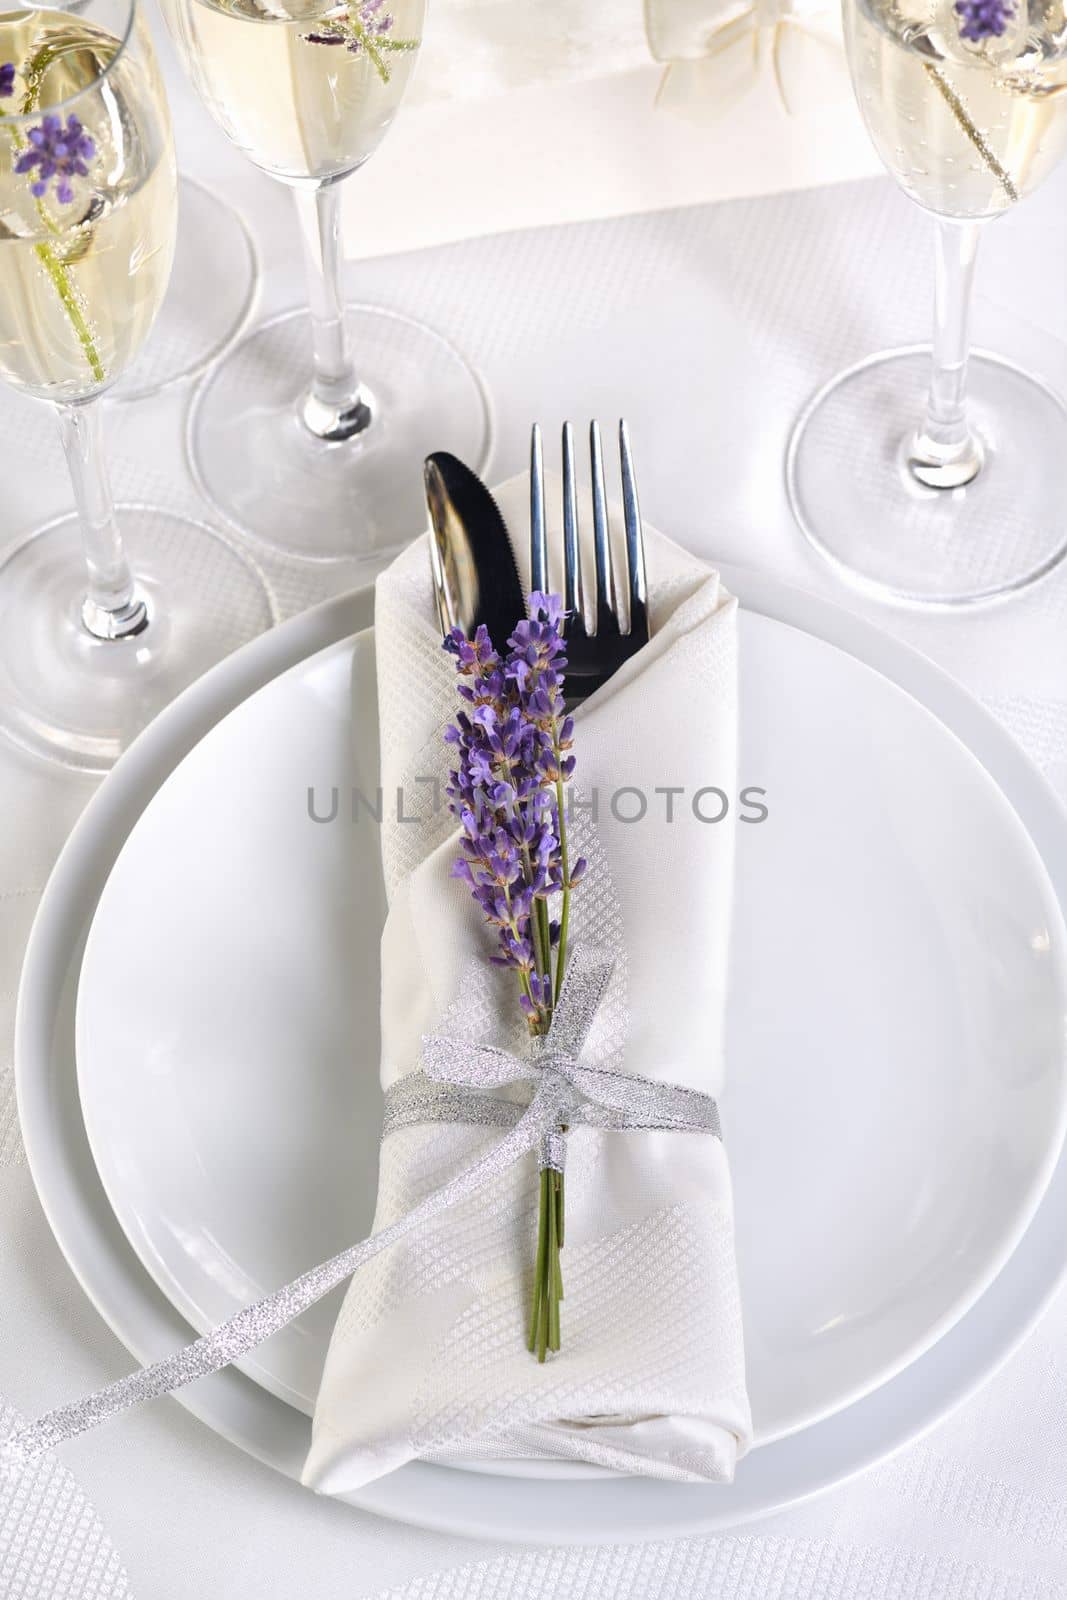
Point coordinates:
[(428, 1357)]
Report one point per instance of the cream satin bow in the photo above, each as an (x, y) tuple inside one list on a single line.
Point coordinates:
[(717, 51)]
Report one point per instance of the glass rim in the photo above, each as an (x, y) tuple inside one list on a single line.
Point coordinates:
[(20, 118)]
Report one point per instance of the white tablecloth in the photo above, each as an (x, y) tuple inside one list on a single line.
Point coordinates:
[(706, 328)]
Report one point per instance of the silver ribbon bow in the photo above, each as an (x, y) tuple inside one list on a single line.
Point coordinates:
[(456, 1076), (451, 1088)]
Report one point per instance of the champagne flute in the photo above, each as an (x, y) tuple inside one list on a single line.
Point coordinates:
[(933, 475), (314, 456), (88, 651)]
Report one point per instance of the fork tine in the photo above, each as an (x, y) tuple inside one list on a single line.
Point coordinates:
[(538, 541), (573, 598), (607, 620), (635, 540)]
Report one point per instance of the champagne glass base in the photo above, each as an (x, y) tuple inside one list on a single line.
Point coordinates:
[(79, 700), (859, 505), (361, 498), (209, 298)]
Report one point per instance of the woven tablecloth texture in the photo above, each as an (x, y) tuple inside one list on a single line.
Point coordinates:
[(707, 328)]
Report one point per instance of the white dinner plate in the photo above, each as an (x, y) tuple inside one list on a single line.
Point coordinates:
[(894, 1040), (1015, 1153)]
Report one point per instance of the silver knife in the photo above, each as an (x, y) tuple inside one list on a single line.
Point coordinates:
[(475, 577)]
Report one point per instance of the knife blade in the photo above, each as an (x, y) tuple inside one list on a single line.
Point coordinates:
[(476, 579)]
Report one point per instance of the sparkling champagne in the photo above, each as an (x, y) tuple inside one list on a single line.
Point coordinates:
[(966, 126), (84, 265), (305, 89)]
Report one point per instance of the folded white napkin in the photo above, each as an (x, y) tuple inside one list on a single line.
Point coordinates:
[(428, 1358)]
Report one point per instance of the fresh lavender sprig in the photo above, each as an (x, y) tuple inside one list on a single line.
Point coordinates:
[(365, 28), (59, 152), (56, 153), (512, 741), (984, 19)]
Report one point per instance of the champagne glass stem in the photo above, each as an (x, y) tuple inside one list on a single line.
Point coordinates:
[(336, 406), (112, 608), (945, 453)]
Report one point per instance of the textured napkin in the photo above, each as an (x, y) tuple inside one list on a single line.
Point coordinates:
[(428, 1357)]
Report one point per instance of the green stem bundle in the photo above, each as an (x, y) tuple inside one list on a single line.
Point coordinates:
[(544, 1334)]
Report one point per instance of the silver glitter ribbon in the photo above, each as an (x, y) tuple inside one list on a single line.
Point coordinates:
[(451, 1088), (456, 1076)]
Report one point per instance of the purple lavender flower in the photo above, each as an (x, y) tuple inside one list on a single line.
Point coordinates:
[(984, 19), (58, 152), (371, 16), (7, 79), (512, 739)]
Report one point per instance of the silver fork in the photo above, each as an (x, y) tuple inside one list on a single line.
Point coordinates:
[(593, 653)]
